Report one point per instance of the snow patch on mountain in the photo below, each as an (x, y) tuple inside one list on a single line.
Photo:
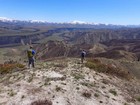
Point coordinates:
[(75, 22), (4, 19)]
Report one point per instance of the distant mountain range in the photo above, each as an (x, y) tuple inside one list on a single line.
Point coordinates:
[(75, 24)]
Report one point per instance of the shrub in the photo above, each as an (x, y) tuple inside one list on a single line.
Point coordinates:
[(87, 84), (98, 66), (96, 95), (113, 92), (20, 65), (104, 81), (86, 94), (77, 88), (11, 93), (6, 68), (58, 88), (78, 76), (30, 79)]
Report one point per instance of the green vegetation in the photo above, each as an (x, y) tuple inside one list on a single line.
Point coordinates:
[(47, 81), (11, 93), (138, 98), (126, 104), (113, 92), (30, 79), (96, 95), (87, 84), (78, 76), (98, 66)]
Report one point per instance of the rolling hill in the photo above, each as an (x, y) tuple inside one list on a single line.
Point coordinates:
[(109, 76)]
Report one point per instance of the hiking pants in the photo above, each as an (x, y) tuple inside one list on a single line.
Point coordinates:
[(82, 59), (31, 62)]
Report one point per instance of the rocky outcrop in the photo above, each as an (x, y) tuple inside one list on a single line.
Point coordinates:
[(76, 36), (96, 36), (16, 39)]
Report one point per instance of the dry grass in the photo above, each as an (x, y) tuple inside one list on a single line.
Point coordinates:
[(60, 65), (78, 76), (88, 84), (6, 68), (34, 90), (42, 102), (98, 66)]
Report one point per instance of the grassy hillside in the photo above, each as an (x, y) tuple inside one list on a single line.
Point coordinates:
[(66, 82)]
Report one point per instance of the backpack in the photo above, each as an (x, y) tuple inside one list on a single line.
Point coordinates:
[(29, 53), (83, 54)]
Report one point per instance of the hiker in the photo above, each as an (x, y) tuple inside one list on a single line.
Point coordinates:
[(83, 54), (31, 54)]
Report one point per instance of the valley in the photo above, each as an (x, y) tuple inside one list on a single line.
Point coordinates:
[(110, 75)]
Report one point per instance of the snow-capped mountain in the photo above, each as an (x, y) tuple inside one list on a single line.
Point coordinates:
[(37, 21), (76, 23), (4, 19), (82, 22)]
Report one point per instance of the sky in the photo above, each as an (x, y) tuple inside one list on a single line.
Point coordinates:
[(123, 12)]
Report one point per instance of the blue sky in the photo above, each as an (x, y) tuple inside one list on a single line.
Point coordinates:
[(98, 11)]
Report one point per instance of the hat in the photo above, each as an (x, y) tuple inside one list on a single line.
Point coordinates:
[(31, 46)]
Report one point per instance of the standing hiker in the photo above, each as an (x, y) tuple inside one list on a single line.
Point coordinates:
[(83, 54), (31, 54)]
